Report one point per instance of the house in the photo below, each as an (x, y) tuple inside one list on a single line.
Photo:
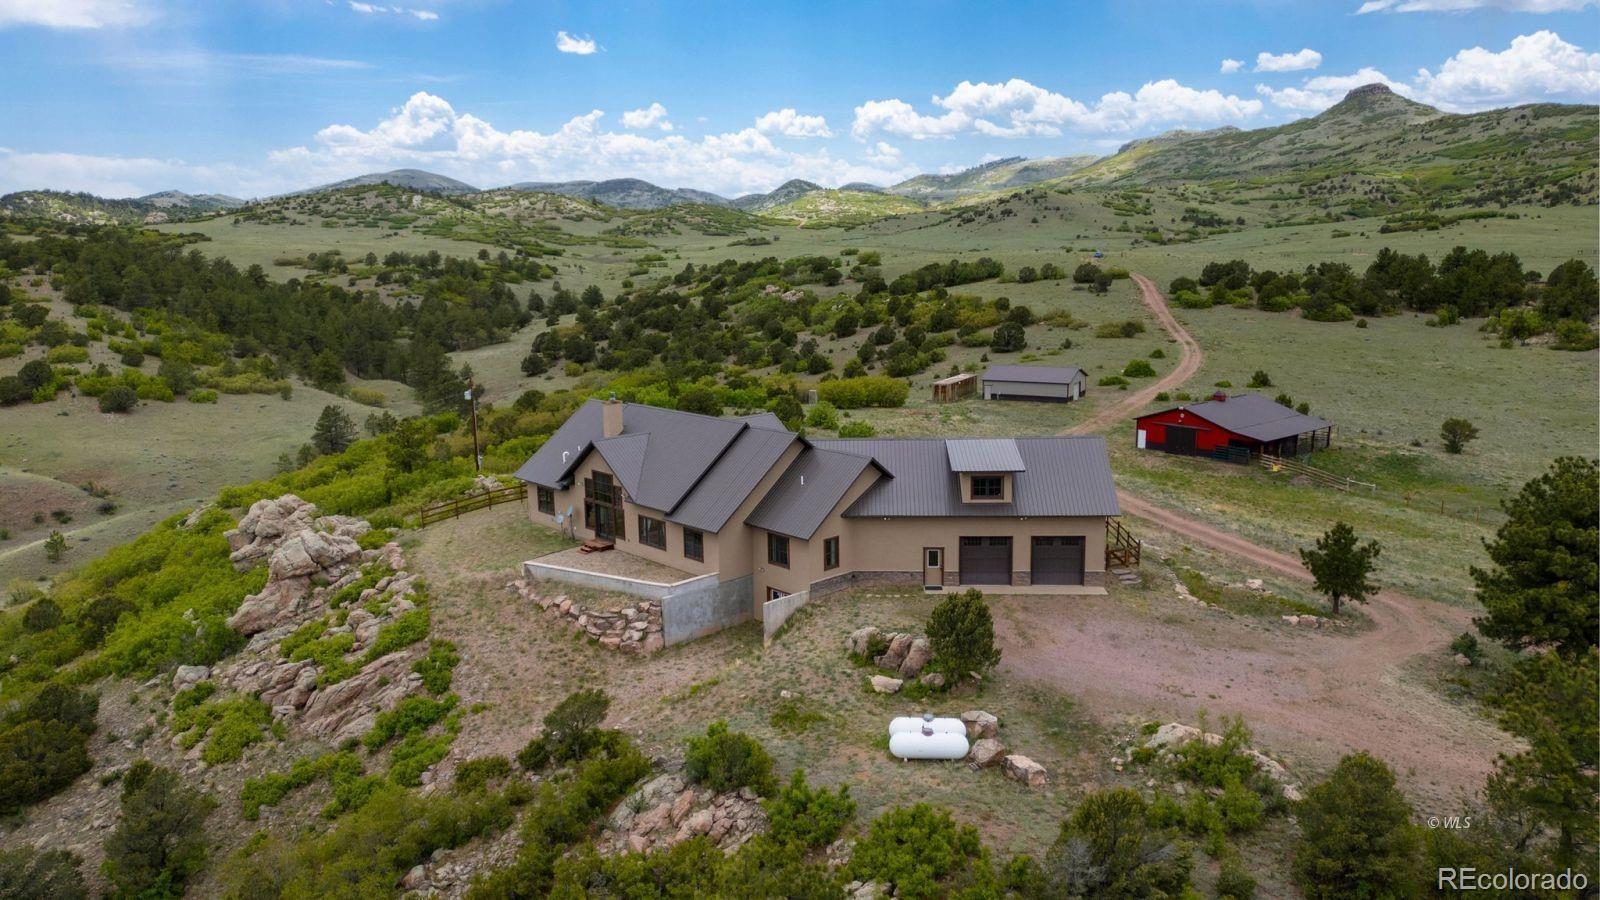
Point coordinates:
[(1234, 428), (1051, 384), (749, 513)]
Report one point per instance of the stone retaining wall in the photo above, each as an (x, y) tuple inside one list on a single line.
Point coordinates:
[(635, 628)]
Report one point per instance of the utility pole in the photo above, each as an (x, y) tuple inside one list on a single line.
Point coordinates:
[(472, 397)]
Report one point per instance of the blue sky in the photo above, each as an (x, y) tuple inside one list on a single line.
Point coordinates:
[(122, 97)]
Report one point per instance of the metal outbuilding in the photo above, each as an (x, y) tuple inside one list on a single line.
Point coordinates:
[(1050, 384)]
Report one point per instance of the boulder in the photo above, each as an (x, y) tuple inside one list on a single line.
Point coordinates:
[(986, 752), (189, 676), (264, 527), (933, 680), (347, 709), (917, 656), (1255, 584), (861, 639), (1023, 770), (308, 552), (883, 684), (980, 724), (279, 602), (1463, 660), (899, 646)]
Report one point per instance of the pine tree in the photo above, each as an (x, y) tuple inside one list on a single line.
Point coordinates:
[(1340, 567), (334, 431), (1356, 836)]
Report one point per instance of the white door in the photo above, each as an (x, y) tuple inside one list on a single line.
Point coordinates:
[(1141, 439)]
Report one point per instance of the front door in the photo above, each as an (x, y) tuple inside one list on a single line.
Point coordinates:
[(932, 567)]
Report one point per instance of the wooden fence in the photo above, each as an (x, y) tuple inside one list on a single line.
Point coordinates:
[(450, 509), (1328, 479), (1123, 550)]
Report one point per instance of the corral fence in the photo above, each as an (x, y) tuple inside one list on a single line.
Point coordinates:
[(1327, 479), (450, 509)]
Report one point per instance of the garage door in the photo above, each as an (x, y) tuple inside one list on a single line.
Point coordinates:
[(1180, 439), (986, 560), (1058, 560)]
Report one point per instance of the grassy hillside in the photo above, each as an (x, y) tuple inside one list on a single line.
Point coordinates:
[(843, 208), (1000, 175), (87, 209)]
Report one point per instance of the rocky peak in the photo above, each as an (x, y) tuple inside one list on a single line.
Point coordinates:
[(1376, 89)]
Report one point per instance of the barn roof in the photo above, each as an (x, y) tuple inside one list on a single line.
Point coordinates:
[(1034, 374), (1254, 416)]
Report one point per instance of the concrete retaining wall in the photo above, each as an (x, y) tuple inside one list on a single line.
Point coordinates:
[(776, 612), (704, 606), (635, 587)]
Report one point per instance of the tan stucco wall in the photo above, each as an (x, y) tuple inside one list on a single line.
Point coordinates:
[(805, 557)]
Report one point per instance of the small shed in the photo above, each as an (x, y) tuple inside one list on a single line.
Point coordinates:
[(1232, 428), (1049, 384), (955, 387)]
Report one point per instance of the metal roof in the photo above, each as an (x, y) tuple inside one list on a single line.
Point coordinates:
[(625, 455), (1064, 476), (983, 455), (1254, 416), (731, 480), (956, 379), (551, 463), (811, 487), (766, 420), (1034, 374)]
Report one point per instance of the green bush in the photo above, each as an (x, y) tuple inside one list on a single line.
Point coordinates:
[(437, 668), (1114, 845), (368, 396), (823, 415), (809, 817), (27, 873), (857, 430), (726, 760), (1234, 881), (570, 733), (1138, 369), (227, 726), (118, 399), (1215, 765), (961, 635), (339, 768), (160, 840), (41, 615), (864, 391), (203, 395), (477, 774), (1356, 836), (919, 852)]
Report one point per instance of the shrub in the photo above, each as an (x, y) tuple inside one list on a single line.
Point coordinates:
[(961, 635), (1234, 881), (1356, 836), (41, 615), (13, 390), (1456, 433), (1116, 381), (570, 730), (809, 817), (132, 358), (864, 391), (1112, 846), (857, 430), (1215, 765), (27, 873), (726, 760), (368, 396), (118, 399), (1260, 379), (1124, 329), (917, 850), (413, 715), (1138, 368), (1466, 643), (476, 774), (823, 415), (437, 668), (203, 395), (1009, 337), (1192, 300), (160, 839)]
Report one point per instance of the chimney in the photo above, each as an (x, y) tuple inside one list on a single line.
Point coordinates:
[(611, 417), (1220, 397)]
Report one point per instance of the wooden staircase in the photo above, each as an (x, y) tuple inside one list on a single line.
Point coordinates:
[(1122, 552)]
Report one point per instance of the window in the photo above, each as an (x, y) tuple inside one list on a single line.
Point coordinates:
[(652, 532), (694, 545), (775, 594), (778, 550), (830, 553), (988, 487), (547, 501), (935, 555)]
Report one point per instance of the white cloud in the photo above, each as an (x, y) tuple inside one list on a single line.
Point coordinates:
[(567, 43), (1538, 66), (791, 123), (1535, 67), (1230, 66), (1323, 91), (1288, 62), (1524, 6), (1017, 108), (884, 154), (654, 115), (123, 176), (74, 13), (427, 132), (379, 9)]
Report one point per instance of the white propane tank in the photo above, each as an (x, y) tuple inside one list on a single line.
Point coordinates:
[(915, 723), (927, 738)]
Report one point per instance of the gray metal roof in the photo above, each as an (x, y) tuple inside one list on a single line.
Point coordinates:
[(983, 455), (551, 463), (800, 501), (731, 480), (625, 455), (1034, 374), (767, 420), (1254, 416), (1065, 476)]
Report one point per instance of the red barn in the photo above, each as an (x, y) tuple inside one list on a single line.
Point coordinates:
[(1232, 428)]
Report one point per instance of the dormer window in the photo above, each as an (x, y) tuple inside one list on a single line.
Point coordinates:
[(988, 487)]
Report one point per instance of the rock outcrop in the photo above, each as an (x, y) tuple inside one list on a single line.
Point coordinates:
[(635, 628), (1169, 737), (666, 811), (301, 550)]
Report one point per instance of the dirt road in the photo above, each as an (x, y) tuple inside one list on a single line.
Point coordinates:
[(1135, 401), (1310, 695)]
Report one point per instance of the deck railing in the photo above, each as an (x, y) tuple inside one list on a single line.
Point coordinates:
[(1122, 548)]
